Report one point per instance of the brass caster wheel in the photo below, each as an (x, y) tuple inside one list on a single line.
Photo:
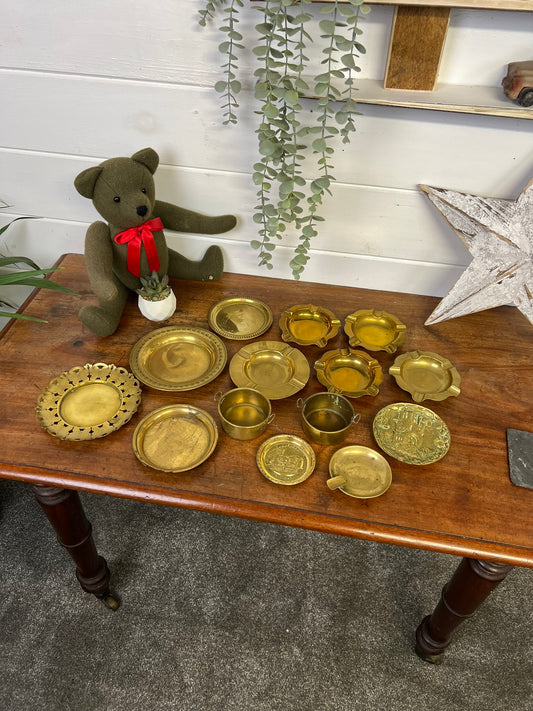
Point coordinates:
[(112, 603)]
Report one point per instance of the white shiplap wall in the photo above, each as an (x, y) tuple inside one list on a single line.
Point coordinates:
[(85, 82)]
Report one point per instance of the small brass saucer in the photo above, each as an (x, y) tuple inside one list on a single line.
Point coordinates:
[(175, 438), (411, 433), (374, 330), (349, 373), (177, 358), (88, 402), (286, 459), (426, 375), (239, 318), (274, 369), (308, 325), (360, 472)]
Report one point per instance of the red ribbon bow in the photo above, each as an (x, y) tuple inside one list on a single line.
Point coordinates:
[(136, 236)]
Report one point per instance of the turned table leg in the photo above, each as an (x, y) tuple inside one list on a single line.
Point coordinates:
[(64, 510), (461, 596)]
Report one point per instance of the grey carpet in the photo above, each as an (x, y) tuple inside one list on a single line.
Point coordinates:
[(222, 614)]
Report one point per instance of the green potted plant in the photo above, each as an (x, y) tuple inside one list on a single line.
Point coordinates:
[(157, 301)]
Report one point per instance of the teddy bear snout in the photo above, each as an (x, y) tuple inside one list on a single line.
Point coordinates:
[(142, 210)]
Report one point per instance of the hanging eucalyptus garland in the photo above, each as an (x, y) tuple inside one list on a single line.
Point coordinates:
[(284, 196)]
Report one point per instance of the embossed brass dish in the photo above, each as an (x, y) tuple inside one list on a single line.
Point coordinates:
[(286, 459), (240, 318), (177, 358), (374, 330), (349, 373), (88, 401), (411, 433), (175, 438), (275, 369), (308, 325), (360, 472), (426, 375)]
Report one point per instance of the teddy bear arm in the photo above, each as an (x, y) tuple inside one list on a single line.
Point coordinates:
[(182, 220), (99, 262)]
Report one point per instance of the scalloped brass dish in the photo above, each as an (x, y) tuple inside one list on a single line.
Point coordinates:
[(274, 369), (286, 459), (240, 318), (426, 375), (178, 358), (88, 402), (360, 472), (308, 325), (175, 438), (374, 330), (349, 373)]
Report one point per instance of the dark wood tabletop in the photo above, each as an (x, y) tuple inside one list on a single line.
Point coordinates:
[(464, 504)]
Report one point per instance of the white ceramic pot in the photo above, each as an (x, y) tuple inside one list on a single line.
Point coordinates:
[(158, 310)]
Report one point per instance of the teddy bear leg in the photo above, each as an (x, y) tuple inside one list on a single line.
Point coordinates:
[(209, 268), (103, 319)]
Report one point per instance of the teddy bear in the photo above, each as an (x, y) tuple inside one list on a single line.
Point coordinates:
[(131, 244)]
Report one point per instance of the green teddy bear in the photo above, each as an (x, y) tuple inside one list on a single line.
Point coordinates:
[(131, 242)]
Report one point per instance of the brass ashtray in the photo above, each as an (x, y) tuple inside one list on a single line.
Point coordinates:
[(175, 438), (286, 459), (426, 375), (88, 402), (374, 330), (178, 358), (308, 325), (349, 373), (360, 472), (239, 318), (411, 433)]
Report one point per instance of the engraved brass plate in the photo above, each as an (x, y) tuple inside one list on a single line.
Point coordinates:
[(411, 433), (350, 373), (88, 402), (286, 459), (175, 438), (308, 325), (426, 375), (374, 330), (275, 369), (178, 358), (240, 318), (360, 472)]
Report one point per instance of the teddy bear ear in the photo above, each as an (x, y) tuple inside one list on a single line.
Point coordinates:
[(148, 157), (86, 180)]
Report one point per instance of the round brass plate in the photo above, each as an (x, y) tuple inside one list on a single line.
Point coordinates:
[(411, 433), (88, 402), (239, 318), (426, 375), (374, 330), (286, 459), (275, 369), (349, 373), (178, 358), (360, 472), (175, 438), (308, 325)]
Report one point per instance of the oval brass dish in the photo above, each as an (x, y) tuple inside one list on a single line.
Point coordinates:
[(374, 330), (426, 375), (411, 433), (88, 402), (308, 325), (175, 438), (239, 318), (177, 358), (275, 369), (360, 472), (350, 373), (286, 459)]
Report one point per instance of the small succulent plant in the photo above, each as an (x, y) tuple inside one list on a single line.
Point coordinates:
[(153, 288)]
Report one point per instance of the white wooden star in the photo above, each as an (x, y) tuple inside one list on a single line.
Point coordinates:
[(499, 235)]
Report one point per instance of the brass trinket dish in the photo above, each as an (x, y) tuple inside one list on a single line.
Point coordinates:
[(286, 459), (308, 325), (349, 373), (426, 375), (374, 330), (360, 472), (239, 318)]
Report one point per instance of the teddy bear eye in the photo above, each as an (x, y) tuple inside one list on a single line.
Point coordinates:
[(143, 190), (116, 198)]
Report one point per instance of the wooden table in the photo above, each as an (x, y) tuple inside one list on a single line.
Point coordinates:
[(465, 504)]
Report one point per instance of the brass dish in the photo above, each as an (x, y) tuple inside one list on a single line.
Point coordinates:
[(177, 358), (275, 369), (175, 438), (244, 413), (286, 459), (374, 330), (426, 375), (349, 373), (308, 325), (239, 318), (360, 472), (411, 433), (88, 402)]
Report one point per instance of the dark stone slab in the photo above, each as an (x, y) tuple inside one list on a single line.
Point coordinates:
[(520, 453)]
